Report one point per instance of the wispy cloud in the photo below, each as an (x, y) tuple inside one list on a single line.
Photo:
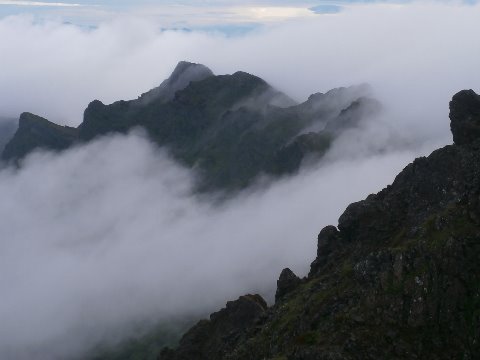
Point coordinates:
[(37, 3)]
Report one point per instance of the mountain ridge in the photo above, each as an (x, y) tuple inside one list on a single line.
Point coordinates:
[(231, 128)]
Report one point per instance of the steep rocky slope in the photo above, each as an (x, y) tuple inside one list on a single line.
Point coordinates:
[(399, 278), (231, 128)]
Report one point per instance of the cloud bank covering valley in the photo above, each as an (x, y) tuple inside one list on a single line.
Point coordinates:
[(108, 234)]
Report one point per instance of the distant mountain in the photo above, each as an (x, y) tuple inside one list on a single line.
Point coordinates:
[(398, 279), (231, 128), (36, 132)]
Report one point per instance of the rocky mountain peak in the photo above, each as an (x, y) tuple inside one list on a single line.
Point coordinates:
[(465, 117), (184, 73), (195, 70)]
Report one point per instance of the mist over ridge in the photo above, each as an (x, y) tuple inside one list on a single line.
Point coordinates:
[(409, 68), (231, 128)]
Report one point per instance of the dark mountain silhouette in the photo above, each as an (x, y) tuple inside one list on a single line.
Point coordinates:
[(399, 278), (36, 132), (231, 128)]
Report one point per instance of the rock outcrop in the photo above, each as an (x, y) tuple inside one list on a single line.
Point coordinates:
[(465, 116), (287, 282), (328, 241), (215, 338), (399, 278)]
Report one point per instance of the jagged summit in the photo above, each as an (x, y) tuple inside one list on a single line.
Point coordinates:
[(398, 279), (189, 71), (184, 73)]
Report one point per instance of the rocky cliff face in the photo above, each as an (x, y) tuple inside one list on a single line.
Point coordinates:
[(399, 278), (232, 128)]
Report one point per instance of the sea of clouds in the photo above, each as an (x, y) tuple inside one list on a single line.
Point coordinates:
[(109, 233)]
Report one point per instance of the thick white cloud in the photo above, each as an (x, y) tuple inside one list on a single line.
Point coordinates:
[(108, 234)]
